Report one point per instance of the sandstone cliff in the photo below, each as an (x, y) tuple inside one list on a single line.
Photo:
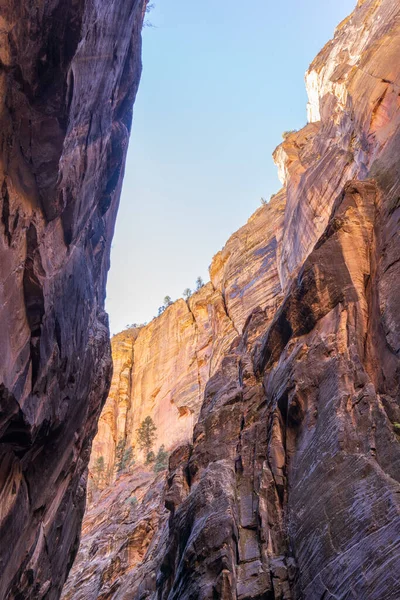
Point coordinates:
[(289, 487), (69, 72), (161, 369)]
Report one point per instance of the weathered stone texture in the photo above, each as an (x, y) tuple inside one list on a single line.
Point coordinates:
[(69, 72), (289, 488), (119, 530), (161, 369)]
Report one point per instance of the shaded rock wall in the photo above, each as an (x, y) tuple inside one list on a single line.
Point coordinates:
[(290, 487), (119, 530), (69, 72)]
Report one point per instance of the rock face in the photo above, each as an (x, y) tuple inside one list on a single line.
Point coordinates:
[(289, 488), (119, 530), (161, 369), (69, 72)]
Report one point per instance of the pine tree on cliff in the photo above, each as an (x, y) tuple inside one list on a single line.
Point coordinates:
[(98, 471), (161, 460), (124, 458), (167, 301), (128, 460), (199, 283), (146, 435)]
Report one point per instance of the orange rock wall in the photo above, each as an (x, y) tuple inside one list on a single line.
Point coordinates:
[(161, 369)]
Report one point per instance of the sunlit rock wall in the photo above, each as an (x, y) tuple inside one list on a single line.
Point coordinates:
[(161, 369)]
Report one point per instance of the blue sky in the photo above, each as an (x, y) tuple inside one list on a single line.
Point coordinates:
[(219, 86)]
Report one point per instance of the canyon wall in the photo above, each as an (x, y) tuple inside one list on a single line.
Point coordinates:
[(289, 486), (69, 73), (161, 369)]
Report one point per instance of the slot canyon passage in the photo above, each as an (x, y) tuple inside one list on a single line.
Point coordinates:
[(274, 388)]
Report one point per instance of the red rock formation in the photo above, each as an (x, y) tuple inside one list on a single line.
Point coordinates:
[(119, 530), (161, 369), (290, 487), (69, 72)]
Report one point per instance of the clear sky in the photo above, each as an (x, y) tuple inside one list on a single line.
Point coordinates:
[(221, 81)]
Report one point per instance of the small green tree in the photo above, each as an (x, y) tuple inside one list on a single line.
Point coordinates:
[(98, 470), (199, 283), (161, 310), (187, 293), (167, 301), (286, 134), (128, 459), (161, 460), (124, 458), (151, 457), (146, 434), (119, 454), (263, 201)]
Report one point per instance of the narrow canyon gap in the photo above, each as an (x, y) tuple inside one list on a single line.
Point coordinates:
[(275, 387), (69, 72)]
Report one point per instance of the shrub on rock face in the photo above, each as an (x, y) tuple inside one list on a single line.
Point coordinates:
[(161, 460), (98, 471), (286, 134), (119, 452), (128, 459), (150, 457), (187, 293), (132, 501)]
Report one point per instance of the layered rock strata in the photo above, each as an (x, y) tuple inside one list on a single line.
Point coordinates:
[(120, 529), (289, 488), (161, 369), (69, 72)]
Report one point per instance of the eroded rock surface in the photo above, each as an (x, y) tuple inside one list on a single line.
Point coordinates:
[(289, 488), (123, 526), (69, 72), (161, 369)]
